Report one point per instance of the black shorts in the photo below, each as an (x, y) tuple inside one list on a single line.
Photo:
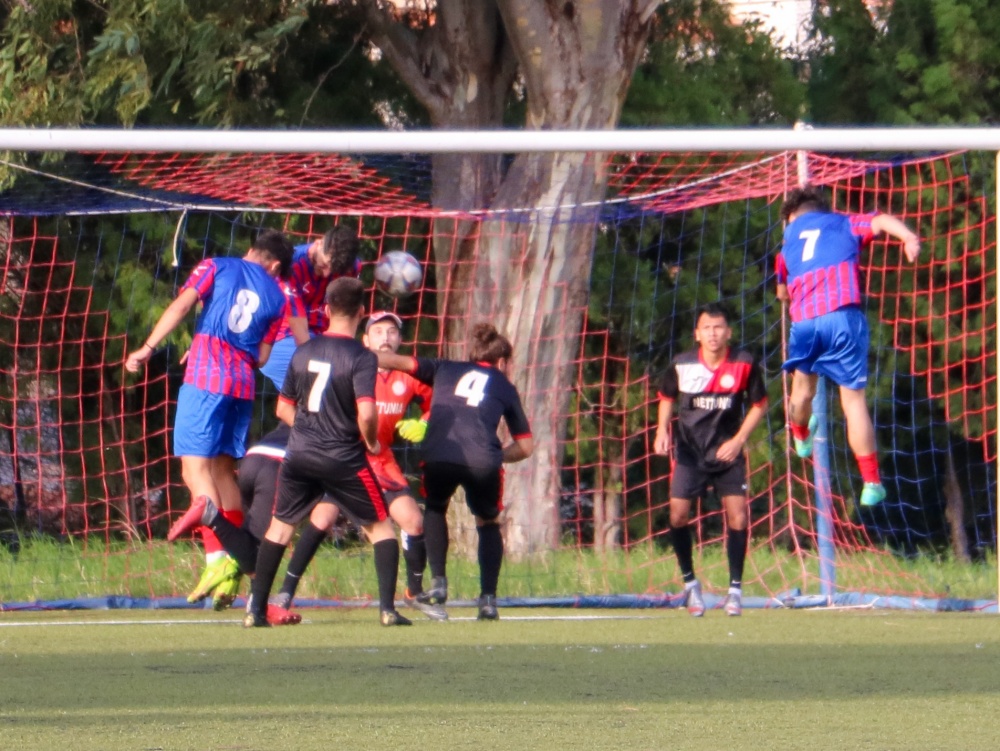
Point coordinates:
[(353, 488), (258, 480), (483, 488), (690, 483)]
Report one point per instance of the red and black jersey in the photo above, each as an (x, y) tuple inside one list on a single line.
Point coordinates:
[(468, 401), (327, 377), (710, 404)]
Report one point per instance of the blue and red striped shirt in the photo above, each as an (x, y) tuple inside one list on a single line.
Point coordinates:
[(243, 306), (308, 293), (819, 262)]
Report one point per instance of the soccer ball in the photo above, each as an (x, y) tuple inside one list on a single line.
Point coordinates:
[(397, 273)]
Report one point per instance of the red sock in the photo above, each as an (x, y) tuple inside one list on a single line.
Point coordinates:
[(234, 516), (211, 542), (869, 468), (799, 431)]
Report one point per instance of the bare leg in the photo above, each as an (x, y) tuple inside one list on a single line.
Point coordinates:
[(800, 400)]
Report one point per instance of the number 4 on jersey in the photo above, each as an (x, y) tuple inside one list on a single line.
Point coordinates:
[(472, 387)]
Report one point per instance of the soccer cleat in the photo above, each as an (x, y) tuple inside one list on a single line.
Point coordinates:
[(392, 618), (215, 573), (278, 616), (872, 494), (734, 604), (804, 446), (693, 600), (437, 594), (252, 620), (432, 611), (488, 608), (226, 592), (282, 599), (192, 518)]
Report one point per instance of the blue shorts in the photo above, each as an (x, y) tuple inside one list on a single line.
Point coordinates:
[(210, 424), (834, 345), (278, 361)]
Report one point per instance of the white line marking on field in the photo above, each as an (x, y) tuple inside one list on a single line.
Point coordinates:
[(230, 622)]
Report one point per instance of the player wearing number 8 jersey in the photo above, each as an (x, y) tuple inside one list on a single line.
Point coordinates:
[(243, 306), (461, 448), (817, 272)]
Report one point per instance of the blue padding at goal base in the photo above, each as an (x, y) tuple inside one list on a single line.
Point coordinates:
[(793, 599)]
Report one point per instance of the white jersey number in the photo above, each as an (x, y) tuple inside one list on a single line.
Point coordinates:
[(811, 236), (322, 371), (240, 315), (472, 386)]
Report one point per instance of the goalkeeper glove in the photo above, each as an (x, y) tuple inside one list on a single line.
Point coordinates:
[(412, 430)]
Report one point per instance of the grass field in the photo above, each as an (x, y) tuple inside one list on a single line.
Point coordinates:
[(534, 680)]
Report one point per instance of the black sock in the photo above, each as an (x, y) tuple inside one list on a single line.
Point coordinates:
[(305, 550), (436, 540), (681, 538), (736, 551), (239, 543), (387, 569), (268, 560), (490, 558), (415, 555)]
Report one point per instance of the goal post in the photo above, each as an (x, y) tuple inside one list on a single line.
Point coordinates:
[(597, 287)]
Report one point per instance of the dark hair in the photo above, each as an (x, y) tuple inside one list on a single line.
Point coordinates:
[(274, 245), (488, 345), (712, 310), (341, 246), (807, 197), (345, 296)]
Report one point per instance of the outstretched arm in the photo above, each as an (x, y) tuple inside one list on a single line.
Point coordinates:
[(172, 316), (891, 225)]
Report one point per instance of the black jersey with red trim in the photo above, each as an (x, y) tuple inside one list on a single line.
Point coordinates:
[(468, 401), (710, 403), (327, 377)]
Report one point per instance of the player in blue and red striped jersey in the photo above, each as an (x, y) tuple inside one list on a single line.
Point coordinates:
[(461, 448), (314, 266), (243, 306), (710, 387), (817, 272)]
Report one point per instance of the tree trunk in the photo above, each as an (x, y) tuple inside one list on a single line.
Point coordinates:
[(954, 511)]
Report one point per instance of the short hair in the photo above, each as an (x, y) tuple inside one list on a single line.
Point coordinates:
[(489, 345), (713, 310), (345, 296), (341, 247), (273, 244), (807, 197)]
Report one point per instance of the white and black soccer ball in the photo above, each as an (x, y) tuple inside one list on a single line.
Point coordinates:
[(398, 274)]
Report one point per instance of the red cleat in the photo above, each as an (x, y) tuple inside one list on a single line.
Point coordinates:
[(277, 616), (190, 520)]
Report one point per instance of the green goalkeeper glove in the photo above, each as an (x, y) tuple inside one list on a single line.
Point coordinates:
[(412, 430)]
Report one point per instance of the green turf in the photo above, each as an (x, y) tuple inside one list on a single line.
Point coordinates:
[(653, 680)]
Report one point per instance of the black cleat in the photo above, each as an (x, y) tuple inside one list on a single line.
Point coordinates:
[(434, 612), (392, 618), (252, 620), (437, 594), (488, 608)]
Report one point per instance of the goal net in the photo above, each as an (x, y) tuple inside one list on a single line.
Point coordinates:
[(596, 282)]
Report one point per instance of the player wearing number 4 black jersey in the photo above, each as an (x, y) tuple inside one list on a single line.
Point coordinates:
[(462, 448), (817, 272), (708, 390), (328, 398), (243, 306)]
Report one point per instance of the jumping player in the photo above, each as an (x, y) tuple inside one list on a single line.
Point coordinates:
[(328, 398), (243, 306), (314, 266), (709, 386), (817, 273), (462, 449)]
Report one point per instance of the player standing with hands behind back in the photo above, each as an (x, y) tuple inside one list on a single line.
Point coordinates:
[(817, 273), (461, 448)]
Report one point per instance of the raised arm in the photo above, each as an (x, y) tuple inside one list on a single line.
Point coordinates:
[(897, 228), (175, 313)]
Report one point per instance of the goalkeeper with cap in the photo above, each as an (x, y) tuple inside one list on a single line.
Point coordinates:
[(707, 388)]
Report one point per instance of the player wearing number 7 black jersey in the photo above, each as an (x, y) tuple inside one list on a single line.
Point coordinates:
[(243, 306), (462, 448)]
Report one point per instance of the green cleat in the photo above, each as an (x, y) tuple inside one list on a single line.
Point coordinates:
[(215, 574), (804, 446), (226, 592), (872, 494)]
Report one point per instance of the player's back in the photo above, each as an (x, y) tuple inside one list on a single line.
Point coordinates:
[(468, 402), (327, 377), (243, 304)]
